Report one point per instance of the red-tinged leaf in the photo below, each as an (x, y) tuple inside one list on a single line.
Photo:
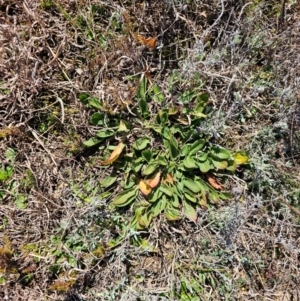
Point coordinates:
[(144, 188)]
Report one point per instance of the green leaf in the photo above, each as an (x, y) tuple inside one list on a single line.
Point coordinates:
[(213, 195), (166, 189), (173, 111), (143, 107), (189, 196), (141, 143), (220, 153), (189, 162), (189, 211), (21, 202), (162, 117), (232, 166), (197, 145), (91, 142), (147, 155), (193, 186), (4, 175), (83, 97), (205, 166), (161, 160), (104, 133), (10, 154), (155, 127), (150, 168), (175, 201), (138, 164), (158, 95), (219, 164), (185, 150), (154, 196), (142, 89), (95, 103), (172, 213), (201, 156), (173, 147), (125, 197), (159, 206), (166, 133), (108, 181), (97, 118), (123, 126), (145, 219)]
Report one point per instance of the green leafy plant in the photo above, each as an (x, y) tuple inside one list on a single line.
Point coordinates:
[(167, 165)]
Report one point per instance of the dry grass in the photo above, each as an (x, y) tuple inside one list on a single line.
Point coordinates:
[(56, 232)]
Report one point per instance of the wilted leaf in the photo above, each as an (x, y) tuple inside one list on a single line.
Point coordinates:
[(240, 158), (169, 178), (154, 181), (214, 183), (114, 155), (148, 42), (144, 188)]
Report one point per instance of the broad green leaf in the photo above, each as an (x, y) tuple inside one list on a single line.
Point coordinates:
[(166, 189), (219, 164), (166, 133), (189, 211), (172, 213), (108, 181), (240, 158), (141, 143), (197, 145), (83, 97), (173, 147), (138, 164), (205, 166), (154, 196), (145, 218), (162, 117), (220, 152), (97, 118), (125, 197), (150, 168), (123, 127), (155, 127), (185, 150), (192, 185), (95, 103), (104, 133), (161, 160), (201, 156), (232, 166), (171, 166), (188, 195), (213, 196), (92, 142), (175, 201), (147, 155), (5, 174), (159, 206), (189, 162)]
